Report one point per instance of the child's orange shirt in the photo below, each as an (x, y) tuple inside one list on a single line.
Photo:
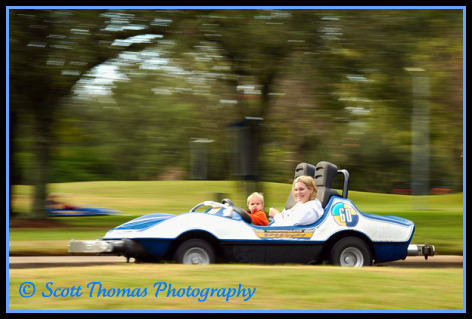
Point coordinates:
[(259, 218)]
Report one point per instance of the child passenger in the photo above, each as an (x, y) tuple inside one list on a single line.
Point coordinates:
[(255, 204)]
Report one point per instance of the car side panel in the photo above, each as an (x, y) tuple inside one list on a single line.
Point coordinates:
[(274, 252), (242, 242)]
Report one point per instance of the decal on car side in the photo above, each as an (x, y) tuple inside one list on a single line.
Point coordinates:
[(305, 233), (345, 214)]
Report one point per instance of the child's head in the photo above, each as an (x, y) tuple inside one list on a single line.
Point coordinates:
[(255, 202)]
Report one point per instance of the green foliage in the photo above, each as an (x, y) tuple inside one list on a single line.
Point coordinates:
[(330, 85)]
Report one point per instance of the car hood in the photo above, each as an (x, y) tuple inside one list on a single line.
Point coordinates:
[(144, 222)]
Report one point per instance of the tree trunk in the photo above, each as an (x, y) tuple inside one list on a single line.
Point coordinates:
[(43, 142)]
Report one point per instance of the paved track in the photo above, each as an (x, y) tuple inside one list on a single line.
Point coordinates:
[(74, 261)]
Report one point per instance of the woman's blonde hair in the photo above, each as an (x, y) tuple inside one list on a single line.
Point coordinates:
[(309, 182)]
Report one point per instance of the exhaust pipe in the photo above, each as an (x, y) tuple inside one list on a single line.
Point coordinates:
[(421, 250)]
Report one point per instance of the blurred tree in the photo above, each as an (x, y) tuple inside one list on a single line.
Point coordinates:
[(330, 85), (49, 52)]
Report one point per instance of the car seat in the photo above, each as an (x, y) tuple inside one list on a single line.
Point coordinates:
[(323, 173), (302, 169)]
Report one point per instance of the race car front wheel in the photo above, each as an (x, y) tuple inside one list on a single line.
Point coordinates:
[(195, 252), (351, 252)]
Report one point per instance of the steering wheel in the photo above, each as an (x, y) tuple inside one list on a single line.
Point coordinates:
[(244, 215), (224, 204)]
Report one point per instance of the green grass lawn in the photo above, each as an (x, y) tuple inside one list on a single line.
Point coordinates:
[(278, 287), (439, 224)]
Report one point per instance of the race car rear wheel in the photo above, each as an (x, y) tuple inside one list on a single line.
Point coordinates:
[(195, 252), (351, 252)]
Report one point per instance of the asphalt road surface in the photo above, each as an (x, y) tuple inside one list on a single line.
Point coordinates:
[(74, 261)]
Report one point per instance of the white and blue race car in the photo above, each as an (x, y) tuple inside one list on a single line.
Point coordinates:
[(221, 232)]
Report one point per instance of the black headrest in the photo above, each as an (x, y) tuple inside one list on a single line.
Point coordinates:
[(325, 173), (305, 169)]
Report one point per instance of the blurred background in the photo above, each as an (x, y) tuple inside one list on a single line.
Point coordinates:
[(236, 94)]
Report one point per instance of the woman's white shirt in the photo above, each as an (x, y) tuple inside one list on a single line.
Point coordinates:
[(300, 214)]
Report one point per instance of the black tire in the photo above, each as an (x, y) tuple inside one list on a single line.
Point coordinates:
[(351, 252), (195, 252)]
